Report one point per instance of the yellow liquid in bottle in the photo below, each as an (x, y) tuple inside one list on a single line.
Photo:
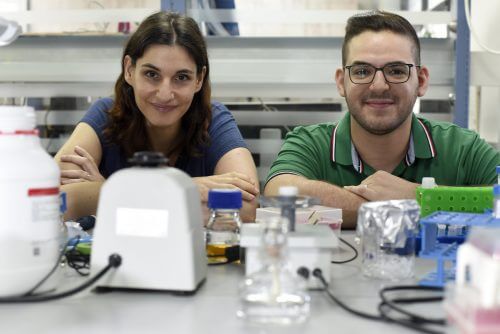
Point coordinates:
[(216, 253)]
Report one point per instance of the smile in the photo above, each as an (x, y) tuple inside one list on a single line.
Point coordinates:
[(163, 107), (379, 103)]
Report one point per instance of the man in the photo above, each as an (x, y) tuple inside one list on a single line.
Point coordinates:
[(380, 150)]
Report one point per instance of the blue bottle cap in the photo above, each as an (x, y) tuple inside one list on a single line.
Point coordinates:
[(224, 199), (498, 169), (496, 190)]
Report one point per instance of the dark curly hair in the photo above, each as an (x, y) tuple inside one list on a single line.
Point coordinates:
[(127, 125)]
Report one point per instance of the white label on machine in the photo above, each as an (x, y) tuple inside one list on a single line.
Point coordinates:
[(150, 223)]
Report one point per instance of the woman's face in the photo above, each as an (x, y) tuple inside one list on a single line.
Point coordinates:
[(164, 81)]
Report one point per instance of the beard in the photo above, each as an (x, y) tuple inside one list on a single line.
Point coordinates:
[(385, 124)]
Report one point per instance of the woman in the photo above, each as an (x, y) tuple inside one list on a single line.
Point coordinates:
[(161, 103)]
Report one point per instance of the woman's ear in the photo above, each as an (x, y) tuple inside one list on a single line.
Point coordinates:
[(200, 78), (127, 69)]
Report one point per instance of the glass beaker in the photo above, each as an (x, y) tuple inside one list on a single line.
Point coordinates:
[(274, 295)]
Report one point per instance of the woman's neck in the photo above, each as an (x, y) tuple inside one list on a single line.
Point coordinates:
[(165, 140)]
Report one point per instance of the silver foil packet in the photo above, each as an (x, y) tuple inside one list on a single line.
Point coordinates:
[(392, 221)]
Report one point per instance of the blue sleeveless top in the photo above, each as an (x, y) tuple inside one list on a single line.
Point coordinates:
[(223, 132)]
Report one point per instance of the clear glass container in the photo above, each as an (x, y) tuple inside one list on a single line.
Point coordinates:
[(224, 223), (274, 295), (387, 230)]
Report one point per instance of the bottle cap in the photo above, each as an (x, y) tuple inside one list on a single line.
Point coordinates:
[(288, 191), (496, 189), (498, 169), (428, 183), (17, 118), (224, 199)]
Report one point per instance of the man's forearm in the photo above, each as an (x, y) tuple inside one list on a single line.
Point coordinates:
[(329, 194)]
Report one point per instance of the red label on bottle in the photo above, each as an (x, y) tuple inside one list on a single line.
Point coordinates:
[(43, 192)]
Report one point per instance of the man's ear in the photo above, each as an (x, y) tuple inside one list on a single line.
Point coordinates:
[(127, 69), (423, 80), (339, 79), (200, 78)]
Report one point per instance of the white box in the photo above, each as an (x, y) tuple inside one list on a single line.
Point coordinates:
[(316, 214), (309, 246)]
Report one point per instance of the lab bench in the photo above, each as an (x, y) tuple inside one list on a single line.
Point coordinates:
[(212, 309)]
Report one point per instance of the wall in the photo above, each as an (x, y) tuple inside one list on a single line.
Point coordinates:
[(485, 70)]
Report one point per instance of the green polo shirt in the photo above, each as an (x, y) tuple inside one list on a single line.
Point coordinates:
[(452, 155)]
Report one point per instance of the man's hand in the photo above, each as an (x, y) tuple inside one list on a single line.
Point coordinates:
[(382, 186), (88, 169), (232, 180)]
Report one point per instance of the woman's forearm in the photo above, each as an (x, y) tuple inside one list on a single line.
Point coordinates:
[(82, 198)]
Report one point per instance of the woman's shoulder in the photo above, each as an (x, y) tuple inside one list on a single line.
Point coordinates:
[(221, 118), (97, 114), (102, 105), (218, 108)]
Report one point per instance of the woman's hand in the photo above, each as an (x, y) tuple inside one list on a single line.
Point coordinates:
[(88, 172), (232, 180)]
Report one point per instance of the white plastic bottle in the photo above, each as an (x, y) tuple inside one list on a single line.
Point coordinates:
[(29, 203)]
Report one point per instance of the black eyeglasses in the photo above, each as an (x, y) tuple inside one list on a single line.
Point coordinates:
[(393, 73)]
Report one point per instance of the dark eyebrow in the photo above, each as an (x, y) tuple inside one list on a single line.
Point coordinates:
[(151, 66), (185, 71)]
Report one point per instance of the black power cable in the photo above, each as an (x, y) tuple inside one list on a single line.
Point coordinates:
[(319, 275), (351, 247), (391, 303), (56, 265), (414, 321), (408, 323), (114, 261)]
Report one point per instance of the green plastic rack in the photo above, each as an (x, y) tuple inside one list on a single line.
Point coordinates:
[(456, 199)]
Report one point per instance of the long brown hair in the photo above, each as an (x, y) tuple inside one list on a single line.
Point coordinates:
[(127, 125)]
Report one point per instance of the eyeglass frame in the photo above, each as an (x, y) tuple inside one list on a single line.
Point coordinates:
[(381, 69)]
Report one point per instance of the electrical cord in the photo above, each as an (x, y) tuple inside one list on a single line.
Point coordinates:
[(114, 261), (391, 303), (351, 247), (410, 324), (78, 262), (319, 275), (56, 265), (414, 321)]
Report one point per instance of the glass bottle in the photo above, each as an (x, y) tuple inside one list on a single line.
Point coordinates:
[(274, 294), (224, 224)]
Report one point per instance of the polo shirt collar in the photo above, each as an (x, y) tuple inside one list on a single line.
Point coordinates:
[(424, 144), (342, 149)]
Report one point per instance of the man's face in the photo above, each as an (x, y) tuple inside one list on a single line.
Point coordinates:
[(381, 107)]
